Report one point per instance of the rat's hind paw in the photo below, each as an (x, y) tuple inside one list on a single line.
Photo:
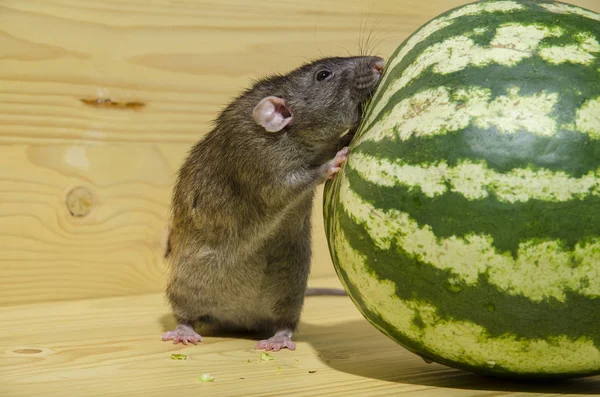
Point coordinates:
[(184, 334), (276, 343)]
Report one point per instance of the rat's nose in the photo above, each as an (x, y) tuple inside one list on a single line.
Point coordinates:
[(368, 72), (378, 65)]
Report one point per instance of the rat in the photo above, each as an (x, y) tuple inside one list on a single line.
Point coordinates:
[(239, 246)]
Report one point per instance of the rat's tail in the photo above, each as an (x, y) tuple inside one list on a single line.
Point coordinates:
[(325, 292)]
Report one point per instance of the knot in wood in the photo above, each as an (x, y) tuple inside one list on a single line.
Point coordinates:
[(79, 201)]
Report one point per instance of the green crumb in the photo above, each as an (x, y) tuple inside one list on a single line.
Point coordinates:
[(249, 361), (178, 356), (206, 378), (266, 357), (278, 369), (296, 361), (311, 372)]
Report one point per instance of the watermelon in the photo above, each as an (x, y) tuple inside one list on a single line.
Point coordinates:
[(465, 224)]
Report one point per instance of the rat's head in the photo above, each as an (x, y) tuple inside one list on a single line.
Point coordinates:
[(320, 100)]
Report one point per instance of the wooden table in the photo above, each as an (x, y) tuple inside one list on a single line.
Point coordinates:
[(112, 347)]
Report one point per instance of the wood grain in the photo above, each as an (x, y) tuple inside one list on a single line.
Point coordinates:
[(48, 254), (108, 95), (111, 347)]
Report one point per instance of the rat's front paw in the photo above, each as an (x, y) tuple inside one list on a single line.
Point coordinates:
[(333, 167)]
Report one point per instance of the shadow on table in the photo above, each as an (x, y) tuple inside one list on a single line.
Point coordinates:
[(358, 348)]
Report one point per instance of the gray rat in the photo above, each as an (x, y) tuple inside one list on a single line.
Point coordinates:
[(239, 248)]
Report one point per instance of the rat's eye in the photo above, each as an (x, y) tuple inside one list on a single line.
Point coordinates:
[(323, 74)]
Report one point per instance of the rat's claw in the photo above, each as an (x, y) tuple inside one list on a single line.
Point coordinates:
[(341, 156), (276, 343), (184, 334), (332, 167), (344, 151)]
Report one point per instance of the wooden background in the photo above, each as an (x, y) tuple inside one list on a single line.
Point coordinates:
[(106, 96)]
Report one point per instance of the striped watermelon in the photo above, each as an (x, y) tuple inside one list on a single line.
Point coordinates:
[(465, 224)]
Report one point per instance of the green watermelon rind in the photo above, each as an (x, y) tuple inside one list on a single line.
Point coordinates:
[(577, 169)]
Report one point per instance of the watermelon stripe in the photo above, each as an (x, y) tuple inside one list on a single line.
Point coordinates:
[(570, 152), (491, 93), (417, 39), (559, 8), (432, 92), (507, 224), (458, 33), (471, 338), (474, 180), (588, 117), (439, 111), (582, 52), (464, 27), (474, 255), (511, 44)]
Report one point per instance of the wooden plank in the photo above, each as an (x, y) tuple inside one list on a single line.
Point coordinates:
[(116, 249), (111, 347), (180, 61), (109, 95)]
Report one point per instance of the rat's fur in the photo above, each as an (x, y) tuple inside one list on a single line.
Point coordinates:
[(240, 244)]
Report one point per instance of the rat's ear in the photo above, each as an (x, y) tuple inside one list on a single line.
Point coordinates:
[(272, 113)]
